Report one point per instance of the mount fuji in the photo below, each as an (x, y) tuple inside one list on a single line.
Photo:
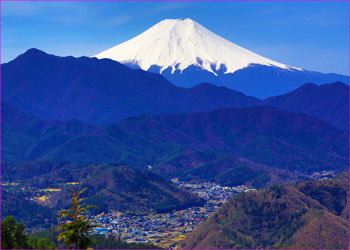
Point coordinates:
[(187, 53)]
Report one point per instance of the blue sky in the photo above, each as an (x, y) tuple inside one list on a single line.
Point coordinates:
[(310, 35)]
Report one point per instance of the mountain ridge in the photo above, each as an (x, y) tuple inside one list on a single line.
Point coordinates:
[(238, 140), (319, 101), (99, 91), (63, 88)]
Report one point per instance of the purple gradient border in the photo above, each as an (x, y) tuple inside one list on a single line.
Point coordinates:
[(0, 119), (158, 1)]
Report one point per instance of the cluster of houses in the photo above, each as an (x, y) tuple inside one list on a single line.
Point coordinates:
[(167, 229), (323, 175), (153, 228), (213, 191)]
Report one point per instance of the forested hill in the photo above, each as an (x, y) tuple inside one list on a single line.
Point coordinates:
[(309, 215)]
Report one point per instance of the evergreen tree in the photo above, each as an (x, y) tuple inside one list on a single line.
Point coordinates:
[(13, 234), (76, 229), (40, 243)]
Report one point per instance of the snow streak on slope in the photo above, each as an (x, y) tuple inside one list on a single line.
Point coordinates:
[(180, 43)]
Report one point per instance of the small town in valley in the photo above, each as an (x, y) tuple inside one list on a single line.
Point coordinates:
[(167, 229)]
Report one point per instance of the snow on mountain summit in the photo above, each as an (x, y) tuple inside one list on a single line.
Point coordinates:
[(178, 44)]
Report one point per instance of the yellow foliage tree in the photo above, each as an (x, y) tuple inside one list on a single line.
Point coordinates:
[(77, 226)]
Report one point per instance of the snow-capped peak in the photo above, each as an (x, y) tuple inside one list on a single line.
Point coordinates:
[(178, 43)]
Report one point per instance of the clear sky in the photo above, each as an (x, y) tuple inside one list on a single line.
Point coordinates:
[(310, 35)]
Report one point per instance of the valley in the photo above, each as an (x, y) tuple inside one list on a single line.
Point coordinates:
[(165, 230), (162, 229)]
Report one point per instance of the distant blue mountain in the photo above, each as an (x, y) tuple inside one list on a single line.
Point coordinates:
[(187, 53), (329, 102), (102, 91), (105, 91), (257, 80)]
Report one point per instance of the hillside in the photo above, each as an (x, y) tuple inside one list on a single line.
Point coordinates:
[(292, 217), (230, 144), (29, 212), (330, 193), (261, 136), (121, 188), (27, 137), (111, 187), (329, 102)]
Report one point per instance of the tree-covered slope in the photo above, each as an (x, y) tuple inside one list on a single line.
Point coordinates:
[(231, 144), (111, 187), (279, 217), (329, 102), (29, 212)]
